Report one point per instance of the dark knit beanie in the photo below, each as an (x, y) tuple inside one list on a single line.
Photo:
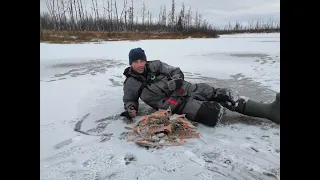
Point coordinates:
[(136, 54)]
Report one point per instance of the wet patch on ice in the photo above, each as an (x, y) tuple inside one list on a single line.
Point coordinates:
[(243, 85), (250, 55), (264, 66), (234, 118), (265, 41), (92, 67)]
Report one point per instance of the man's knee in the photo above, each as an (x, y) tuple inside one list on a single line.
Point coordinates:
[(190, 108), (209, 113)]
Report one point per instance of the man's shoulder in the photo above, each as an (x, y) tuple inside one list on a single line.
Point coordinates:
[(153, 65), (157, 61), (131, 82), (126, 71)]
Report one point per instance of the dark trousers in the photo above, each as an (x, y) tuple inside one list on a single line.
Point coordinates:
[(200, 107)]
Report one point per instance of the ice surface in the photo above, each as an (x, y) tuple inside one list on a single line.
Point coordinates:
[(83, 83)]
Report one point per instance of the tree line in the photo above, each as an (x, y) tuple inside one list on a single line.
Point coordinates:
[(252, 27), (73, 15)]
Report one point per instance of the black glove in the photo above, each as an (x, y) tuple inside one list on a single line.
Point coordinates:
[(130, 113), (227, 96), (175, 84), (132, 110)]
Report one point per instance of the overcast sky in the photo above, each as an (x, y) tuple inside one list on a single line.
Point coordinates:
[(217, 12)]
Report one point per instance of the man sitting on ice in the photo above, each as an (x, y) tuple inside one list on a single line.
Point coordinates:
[(162, 86)]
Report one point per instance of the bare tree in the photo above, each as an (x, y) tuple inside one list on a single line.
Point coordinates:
[(51, 8), (97, 10), (199, 20), (196, 19), (116, 14), (160, 14), (173, 7), (95, 13), (81, 14), (87, 18), (143, 12), (131, 10), (182, 15), (150, 18), (65, 11), (148, 21), (59, 15), (73, 21), (124, 11), (164, 16), (189, 18), (179, 24), (104, 15), (131, 14), (108, 10)]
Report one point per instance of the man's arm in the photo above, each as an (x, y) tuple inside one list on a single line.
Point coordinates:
[(131, 94), (173, 72), (176, 76)]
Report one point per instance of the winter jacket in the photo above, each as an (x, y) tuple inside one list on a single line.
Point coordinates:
[(152, 88)]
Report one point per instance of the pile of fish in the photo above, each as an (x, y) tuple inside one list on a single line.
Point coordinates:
[(162, 128)]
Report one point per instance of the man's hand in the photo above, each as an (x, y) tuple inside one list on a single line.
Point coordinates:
[(132, 111), (175, 84)]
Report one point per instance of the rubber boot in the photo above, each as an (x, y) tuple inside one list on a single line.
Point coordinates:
[(269, 111)]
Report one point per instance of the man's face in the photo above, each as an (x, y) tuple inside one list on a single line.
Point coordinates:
[(138, 65)]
